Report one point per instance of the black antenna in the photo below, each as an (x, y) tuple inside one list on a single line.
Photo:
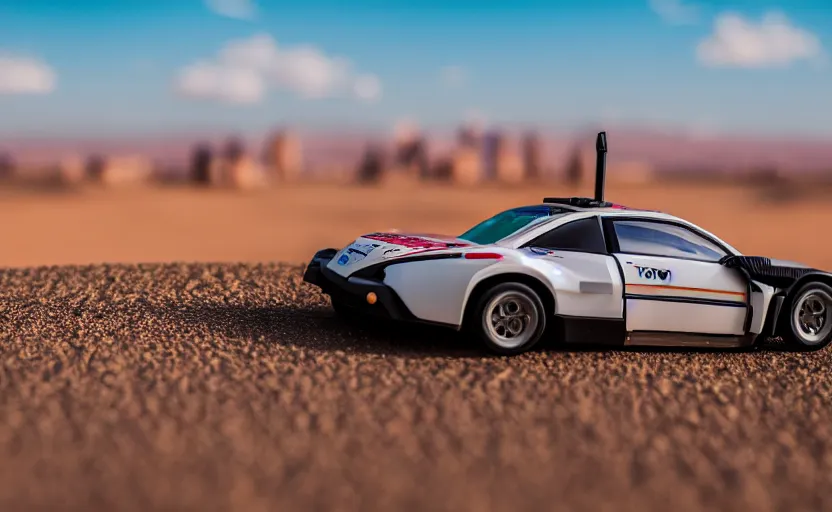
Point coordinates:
[(600, 165)]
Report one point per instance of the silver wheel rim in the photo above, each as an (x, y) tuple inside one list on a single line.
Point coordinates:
[(812, 316), (510, 318)]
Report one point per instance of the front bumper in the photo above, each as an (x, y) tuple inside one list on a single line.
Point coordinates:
[(352, 291)]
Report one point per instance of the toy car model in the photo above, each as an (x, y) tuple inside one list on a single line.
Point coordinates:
[(581, 270)]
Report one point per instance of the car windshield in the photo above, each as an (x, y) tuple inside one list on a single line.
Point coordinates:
[(506, 223)]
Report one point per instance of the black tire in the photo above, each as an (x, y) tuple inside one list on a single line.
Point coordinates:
[(533, 321), (810, 306)]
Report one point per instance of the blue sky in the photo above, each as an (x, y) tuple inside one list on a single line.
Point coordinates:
[(129, 67)]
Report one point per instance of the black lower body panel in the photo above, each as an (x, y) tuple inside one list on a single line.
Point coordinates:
[(689, 340), (612, 332), (352, 292), (590, 331)]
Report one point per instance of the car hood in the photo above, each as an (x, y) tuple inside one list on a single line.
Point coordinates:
[(373, 248)]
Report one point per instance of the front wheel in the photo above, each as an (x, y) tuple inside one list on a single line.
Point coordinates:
[(510, 318), (807, 323)]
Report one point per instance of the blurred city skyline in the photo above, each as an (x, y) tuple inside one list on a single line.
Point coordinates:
[(122, 69)]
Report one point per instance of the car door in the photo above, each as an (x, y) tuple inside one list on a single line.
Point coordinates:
[(673, 281), (586, 276)]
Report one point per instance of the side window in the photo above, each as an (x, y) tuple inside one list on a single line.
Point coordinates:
[(580, 235), (663, 239)]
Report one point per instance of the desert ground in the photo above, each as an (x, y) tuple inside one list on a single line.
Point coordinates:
[(157, 225), (159, 351)]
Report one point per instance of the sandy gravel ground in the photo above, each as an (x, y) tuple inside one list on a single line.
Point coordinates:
[(232, 387)]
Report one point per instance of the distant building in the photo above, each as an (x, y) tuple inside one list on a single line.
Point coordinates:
[(405, 132), (201, 163), (412, 158), (511, 168), (283, 156), (532, 156), (469, 136), (501, 160), (71, 169), (371, 167), (234, 150), (94, 168), (410, 153), (235, 168), (442, 169), (492, 143), (238, 169), (125, 170), (245, 173), (467, 166)]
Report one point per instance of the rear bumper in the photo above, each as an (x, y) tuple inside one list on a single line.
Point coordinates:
[(352, 291)]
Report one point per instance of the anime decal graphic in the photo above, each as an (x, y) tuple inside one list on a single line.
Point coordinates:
[(356, 252), (391, 245), (539, 251)]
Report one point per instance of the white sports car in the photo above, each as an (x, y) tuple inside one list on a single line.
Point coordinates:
[(580, 270)]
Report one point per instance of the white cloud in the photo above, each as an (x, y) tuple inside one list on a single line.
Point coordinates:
[(454, 76), (367, 87), (773, 42), (22, 75), (675, 12), (244, 71), (237, 9), (211, 81)]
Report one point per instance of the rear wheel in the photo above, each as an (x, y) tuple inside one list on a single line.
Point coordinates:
[(807, 323), (510, 318)]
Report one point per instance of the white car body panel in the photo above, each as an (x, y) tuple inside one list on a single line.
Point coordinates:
[(760, 301), (435, 290), (690, 319), (581, 282), (656, 288)]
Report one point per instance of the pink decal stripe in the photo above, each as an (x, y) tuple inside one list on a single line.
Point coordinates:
[(413, 242), (483, 256)]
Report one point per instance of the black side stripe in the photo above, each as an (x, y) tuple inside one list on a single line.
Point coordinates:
[(686, 300), (376, 267)]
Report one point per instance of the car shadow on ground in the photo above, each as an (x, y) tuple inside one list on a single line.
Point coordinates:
[(320, 328)]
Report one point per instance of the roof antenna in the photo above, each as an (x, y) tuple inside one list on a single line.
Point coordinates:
[(600, 165)]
